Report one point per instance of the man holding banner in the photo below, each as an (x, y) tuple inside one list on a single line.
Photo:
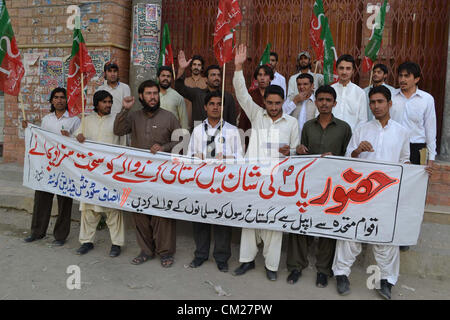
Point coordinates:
[(381, 139), (213, 140), (99, 127), (151, 128), (58, 121), (274, 133), (324, 135)]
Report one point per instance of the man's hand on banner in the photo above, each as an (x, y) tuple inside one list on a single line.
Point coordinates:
[(241, 56), (301, 149), (285, 150), (326, 154), (127, 103), (364, 146), (65, 133), (155, 148), (220, 156), (24, 124), (199, 155), (81, 138)]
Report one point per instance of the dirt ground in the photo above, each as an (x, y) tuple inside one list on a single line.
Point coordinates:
[(38, 271)]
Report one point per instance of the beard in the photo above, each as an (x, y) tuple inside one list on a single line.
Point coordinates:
[(147, 108), (308, 66), (165, 85)]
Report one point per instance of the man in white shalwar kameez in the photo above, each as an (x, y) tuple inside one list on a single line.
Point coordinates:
[(380, 139), (274, 134)]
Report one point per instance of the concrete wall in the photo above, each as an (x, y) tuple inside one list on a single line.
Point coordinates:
[(144, 48), (445, 140)]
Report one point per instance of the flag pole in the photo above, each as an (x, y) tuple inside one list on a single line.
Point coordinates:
[(315, 69), (82, 93), (371, 74), (173, 69), (223, 93), (82, 103)]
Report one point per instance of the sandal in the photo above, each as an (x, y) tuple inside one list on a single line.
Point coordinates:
[(167, 261), (141, 258)]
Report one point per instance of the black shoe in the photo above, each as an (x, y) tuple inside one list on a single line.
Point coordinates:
[(85, 248), (321, 280), (294, 276), (243, 268), (404, 248), (197, 262), (58, 243), (343, 285), (115, 251), (385, 289), (32, 238), (222, 266), (271, 275)]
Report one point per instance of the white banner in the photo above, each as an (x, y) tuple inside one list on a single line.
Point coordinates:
[(333, 197)]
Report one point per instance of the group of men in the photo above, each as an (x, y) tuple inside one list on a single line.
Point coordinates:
[(378, 123)]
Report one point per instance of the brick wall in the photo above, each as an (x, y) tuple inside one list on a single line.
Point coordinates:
[(40, 27), (439, 186)]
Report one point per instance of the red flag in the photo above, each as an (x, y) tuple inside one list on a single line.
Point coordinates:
[(228, 17), (315, 30), (11, 67), (80, 63)]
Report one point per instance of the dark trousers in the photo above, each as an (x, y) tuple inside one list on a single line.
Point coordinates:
[(414, 152), (222, 241), (297, 254), (155, 235), (41, 215)]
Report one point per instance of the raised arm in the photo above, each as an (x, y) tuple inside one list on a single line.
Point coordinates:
[(244, 99), (122, 123)]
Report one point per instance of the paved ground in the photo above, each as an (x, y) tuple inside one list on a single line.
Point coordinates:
[(38, 271)]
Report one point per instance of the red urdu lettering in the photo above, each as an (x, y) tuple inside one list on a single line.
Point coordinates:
[(351, 176), (293, 193), (219, 168), (33, 151), (231, 177), (324, 197), (271, 188)]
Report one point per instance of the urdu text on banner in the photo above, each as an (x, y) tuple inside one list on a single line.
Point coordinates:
[(334, 197)]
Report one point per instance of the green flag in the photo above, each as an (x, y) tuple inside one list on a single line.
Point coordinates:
[(166, 54), (265, 59), (322, 42), (374, 45)]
